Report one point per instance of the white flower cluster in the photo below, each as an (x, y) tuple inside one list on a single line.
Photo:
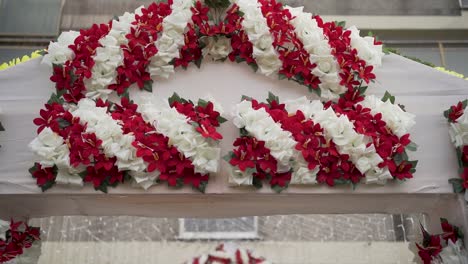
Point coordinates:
[(258, 32), (459, 131), (203, 152), (369, 52), (59, 52), (51, 149), (397, 120), (172, 38), (315, 43), (218, 48), (341, 131), (114, 142), (260, 125), (453, 253), (109, 56), (228, 253)]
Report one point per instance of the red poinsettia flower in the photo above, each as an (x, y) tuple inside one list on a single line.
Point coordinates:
[(464, 176), (457, 111), (280, 179), (403, 171), (450, 231), (207, 113), (49, 116), (432, 250), (242, 159), (208, 131), (199, 13), (43, 175)]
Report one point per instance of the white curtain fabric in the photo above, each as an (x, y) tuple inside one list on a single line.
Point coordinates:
[(425, 92)]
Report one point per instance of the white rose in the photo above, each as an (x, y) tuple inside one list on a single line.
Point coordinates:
[(218, 48)]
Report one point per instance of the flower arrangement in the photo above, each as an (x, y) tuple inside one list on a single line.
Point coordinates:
[(443, 248), (137, 48), (228, 254), (18, 238), (458, 131), (107, 144), (306, 142)]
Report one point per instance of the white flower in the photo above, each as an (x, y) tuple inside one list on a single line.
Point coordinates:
[(366, 49), (203, 152), (50, 148), (218, 48), (145, 180), (66, 178), (59, 52), (238, 177), (453, 253), (397, 120)]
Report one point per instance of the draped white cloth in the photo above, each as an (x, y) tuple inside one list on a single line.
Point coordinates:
[(425, 92)]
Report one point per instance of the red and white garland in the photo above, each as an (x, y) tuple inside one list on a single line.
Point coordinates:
[(228, 254), (457, 116), (305, 142), (107, 144), (139, 47), (17, 238)]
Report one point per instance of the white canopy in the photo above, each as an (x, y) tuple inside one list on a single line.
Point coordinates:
[(424, 91)]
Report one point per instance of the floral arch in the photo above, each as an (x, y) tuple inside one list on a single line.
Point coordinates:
[(84, 136)]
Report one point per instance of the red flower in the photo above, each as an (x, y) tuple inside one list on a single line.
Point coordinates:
[(207, 113), (43, 175), (450, 232), (464, 176), (457, 111), (280, 179), (49, 117), (465, 154), (433, 249), (199, 13), (208, 131), (403, 171)]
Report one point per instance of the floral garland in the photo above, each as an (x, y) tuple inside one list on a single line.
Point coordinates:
[(107, 144), (305, 142), (458, 119), (17, 239), (150, 43), (443, 248), (228, 254)]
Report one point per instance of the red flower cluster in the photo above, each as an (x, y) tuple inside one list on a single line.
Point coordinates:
[(316, 150), (20, 236), (433, 244), (203, 116), (296, 62), (155, 150), (141, 48), (347, 57), (387, 145), (242, 48), (214, 258), (455, 112), (69, 77), (45, 176)]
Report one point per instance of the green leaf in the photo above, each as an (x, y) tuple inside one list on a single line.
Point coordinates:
[(174, 98), (272, 97), (47, 185), (257, 183), (221, 119), (362, 90), (278, 189), (148, 86), (340, 23), (34, 168), (199, 62), (202, 103), (282, 76), (412, 146), (244, 132), (83, 174), (317, 91), (457, 185), (228, 156), (341, 182), (246, 98), (54, 98), (63, 123), (2, 128), (202, 186), (240, 13), (254, 67), (42, 52), (102, 188), (388, 96)]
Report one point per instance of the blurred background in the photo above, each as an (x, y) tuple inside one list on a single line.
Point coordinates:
[(435, 31)]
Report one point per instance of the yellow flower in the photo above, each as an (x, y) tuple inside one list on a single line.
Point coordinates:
[(16, 61)]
